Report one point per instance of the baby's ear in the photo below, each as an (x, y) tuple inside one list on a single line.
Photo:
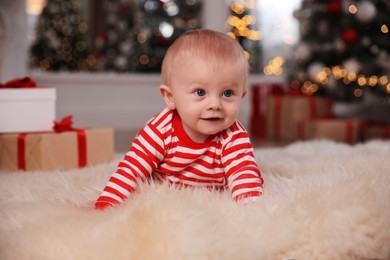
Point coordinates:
[(244, 93), (166, 94)]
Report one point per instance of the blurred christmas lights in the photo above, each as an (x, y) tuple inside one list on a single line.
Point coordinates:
[(274, 66), (348, 77), (242, 25), (35, 7)]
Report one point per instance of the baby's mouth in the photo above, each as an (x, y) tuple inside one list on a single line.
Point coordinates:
[(212, 119)]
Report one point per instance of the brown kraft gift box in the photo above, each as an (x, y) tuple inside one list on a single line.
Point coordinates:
[(336, 129), (285, 111), (56, 151)]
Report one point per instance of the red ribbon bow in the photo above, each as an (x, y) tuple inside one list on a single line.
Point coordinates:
[(66, 124), (25, 82)]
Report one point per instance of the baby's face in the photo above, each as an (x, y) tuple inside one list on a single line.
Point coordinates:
[(207, 96)]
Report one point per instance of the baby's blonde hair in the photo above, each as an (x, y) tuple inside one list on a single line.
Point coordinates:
[(208, 45)]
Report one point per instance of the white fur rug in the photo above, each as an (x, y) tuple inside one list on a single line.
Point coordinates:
[(323, 200)]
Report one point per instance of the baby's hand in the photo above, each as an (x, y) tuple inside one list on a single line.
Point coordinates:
[(248, 200)]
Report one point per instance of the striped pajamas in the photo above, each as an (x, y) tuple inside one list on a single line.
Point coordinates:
[(162, 150)]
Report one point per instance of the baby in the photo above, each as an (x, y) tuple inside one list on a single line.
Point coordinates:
[(196, 140)]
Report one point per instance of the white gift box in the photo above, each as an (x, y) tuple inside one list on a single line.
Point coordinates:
[(27, 109)]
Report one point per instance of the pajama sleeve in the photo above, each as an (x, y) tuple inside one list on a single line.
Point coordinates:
[(143, 157), (242, 173)]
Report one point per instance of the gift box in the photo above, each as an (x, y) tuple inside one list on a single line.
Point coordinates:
[(56, 151), (375, 130), (336, 129), (284, 112), (24, 107), (260, 94)]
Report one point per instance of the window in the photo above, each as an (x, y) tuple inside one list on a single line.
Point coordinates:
[(106, 43)]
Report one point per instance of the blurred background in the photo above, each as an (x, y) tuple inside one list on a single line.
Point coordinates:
[(104, 56)]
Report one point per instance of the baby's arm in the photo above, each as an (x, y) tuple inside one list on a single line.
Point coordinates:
[(242, 173), (139, 162)]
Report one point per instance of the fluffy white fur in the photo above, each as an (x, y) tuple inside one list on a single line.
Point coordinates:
[(322, 200)]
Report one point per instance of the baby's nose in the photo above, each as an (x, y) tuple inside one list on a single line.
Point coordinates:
[(214, 102)]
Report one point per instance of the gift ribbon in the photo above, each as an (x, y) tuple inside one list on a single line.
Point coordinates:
[(25, 82), (278, 115), (349, 131), (65, 125), (21, 151)]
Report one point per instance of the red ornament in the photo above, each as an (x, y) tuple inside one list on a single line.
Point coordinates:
[(334, 7), (349, 35)]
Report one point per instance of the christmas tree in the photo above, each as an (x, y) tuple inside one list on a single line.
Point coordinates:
[(344, 50), (117, 45), (244, 28), (138, 33), (61, 41)]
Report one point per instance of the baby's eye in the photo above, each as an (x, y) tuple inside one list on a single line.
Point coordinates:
[(200, 92), (228, 93)]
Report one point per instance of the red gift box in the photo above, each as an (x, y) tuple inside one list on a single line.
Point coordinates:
[(260, 94), (375, 130)]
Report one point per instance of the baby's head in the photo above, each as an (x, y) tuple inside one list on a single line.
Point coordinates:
[(204, 74), (207, 45)]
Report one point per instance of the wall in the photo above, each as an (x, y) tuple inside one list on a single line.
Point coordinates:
[(13, 39)]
